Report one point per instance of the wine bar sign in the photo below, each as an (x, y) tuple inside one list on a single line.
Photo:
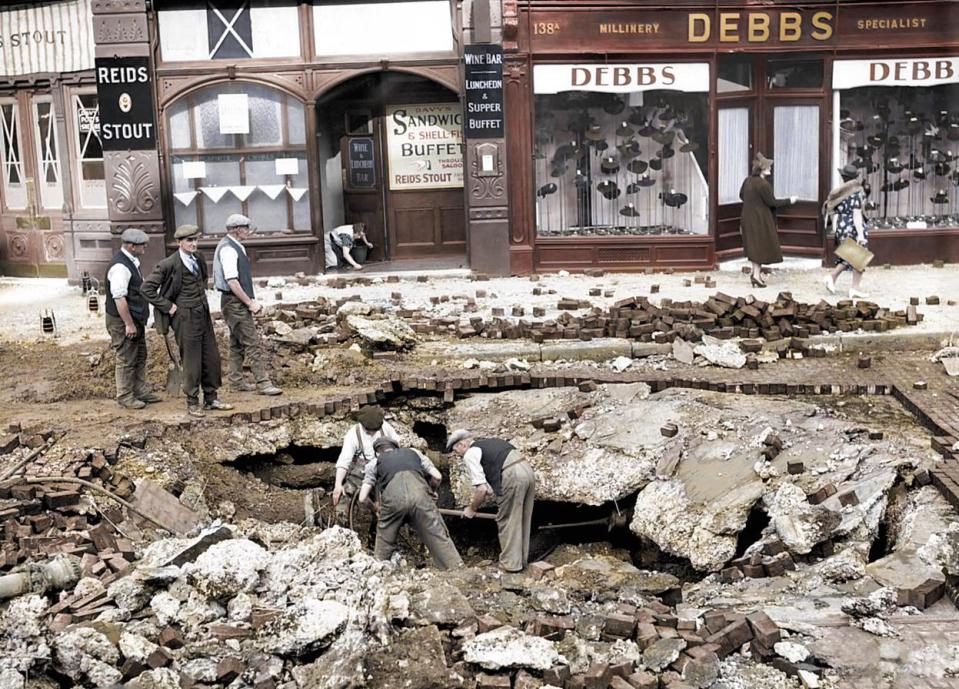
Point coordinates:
[(484, 91)]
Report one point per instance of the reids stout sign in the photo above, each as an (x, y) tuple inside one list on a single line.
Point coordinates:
[(125, 95)]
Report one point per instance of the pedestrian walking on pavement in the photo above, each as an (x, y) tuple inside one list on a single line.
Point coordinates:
[(758, 224), (357, 451), (497, 468), (177, 290), (405, 480), (127, 314), (843, 208), (234, 280)]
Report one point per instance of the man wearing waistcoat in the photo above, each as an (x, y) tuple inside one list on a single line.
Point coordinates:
[(497, 468), (234, 281), (127, 315), (177, 290), (400, 477)]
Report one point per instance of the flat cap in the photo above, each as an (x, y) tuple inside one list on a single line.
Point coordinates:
[(133, 235), (237, 220), (383, 441), (371, 417), (457, 436), (184, 231)]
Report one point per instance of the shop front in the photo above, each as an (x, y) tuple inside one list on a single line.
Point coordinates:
[(631, 129)]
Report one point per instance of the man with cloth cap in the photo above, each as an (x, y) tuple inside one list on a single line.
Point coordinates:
[(358, 450), (234, 280), (127, 314), (497, 468), (177, 290), (400, 477)]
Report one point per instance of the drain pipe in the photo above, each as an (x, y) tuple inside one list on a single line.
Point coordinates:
[(55, 575)]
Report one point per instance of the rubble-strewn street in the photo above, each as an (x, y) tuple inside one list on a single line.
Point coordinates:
[(734, 491)]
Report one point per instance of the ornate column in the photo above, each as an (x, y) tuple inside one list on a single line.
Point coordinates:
[(121, 30), (517, 96)]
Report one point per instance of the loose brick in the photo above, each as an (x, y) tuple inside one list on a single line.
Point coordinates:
[(669, 430), (484, 681), (795, 466), (621, 626), (597, 676), (763, 628), (228, 669)]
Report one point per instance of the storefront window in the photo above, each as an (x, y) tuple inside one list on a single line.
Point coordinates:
[(904, 140), (794, 73), (90, 174), (795, 141), (613, 155), (733, 152), (48, 154), (14, 189), (735, 73), (240, 148)]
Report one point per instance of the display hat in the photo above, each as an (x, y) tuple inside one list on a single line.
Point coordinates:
[(455, 437), (546, 189), (383, 441), (849, 170), (629, 210), (237, 220), (185, 231), (133, 235), (370, 417), (608, 189), (637, 166), (609, 165)]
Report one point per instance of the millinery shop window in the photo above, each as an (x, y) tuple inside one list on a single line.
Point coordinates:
[(11, 157), (48, 153), (621, 149), (90, 174), (240, 148), (897, 121)]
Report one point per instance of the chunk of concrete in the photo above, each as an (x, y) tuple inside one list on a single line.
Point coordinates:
[(508, 647)]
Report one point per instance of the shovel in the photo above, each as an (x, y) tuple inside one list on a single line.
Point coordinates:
[(174, 374)]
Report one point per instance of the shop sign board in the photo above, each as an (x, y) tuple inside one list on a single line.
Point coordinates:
[(361, 163), (926, 71), (484, 91), (125, 97), (424, 145), (691, 77)]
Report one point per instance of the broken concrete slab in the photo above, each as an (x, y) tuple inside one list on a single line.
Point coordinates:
[(800, 525), (508, 647)]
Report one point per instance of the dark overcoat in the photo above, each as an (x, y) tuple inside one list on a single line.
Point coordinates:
[(760, 239), (162, 287)]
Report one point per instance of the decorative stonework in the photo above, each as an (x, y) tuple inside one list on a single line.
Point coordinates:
[(486, 185), (18, 246), (53, 247), (118, 6), (171, 87), (510, 25), (120, 28), (497, 213), (134, 185)]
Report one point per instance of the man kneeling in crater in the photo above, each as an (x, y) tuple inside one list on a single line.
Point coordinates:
[(404, 479)]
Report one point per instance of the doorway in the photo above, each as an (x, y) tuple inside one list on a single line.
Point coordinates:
[(776, 105), (391, 157)]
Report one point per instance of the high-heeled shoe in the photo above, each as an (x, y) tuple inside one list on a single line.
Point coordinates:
[(756, 283)]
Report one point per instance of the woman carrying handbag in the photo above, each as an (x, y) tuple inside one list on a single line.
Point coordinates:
[(760, 238), (844, 207)]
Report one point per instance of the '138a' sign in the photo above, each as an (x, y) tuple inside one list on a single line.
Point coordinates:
[(125, 95)]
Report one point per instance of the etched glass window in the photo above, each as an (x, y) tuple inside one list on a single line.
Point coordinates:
[(90, 174), (11, 160), (48, 154)]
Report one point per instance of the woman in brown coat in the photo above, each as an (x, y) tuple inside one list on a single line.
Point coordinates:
[(760, 239)]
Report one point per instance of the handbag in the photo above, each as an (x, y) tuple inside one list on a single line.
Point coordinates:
[(854, 253)]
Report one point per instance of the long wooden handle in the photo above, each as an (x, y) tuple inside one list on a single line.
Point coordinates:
[(459, 513)]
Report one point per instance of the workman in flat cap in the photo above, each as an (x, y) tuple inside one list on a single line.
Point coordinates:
[(497, 468), (127, 314), (177, 290), (357, 451), (234, 280), (405, 481)]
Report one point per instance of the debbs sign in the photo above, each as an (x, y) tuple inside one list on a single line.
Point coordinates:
[(125, 95)]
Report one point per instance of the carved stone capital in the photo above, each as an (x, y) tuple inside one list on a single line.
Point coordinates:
[(120, 28), (118, 6), (133, 185)]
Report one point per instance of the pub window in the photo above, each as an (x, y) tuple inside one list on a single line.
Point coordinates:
[(11, 159), (621, 161), (48, 153), (795, 140), (240, 148), (90, 173), (794, 73), (734, 73), (346, 27), (733, 152), (903, 139)]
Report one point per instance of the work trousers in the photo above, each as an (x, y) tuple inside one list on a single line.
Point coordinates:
[(131, 359), (407, 500), (514, 516), (245, 341), (199, 355)]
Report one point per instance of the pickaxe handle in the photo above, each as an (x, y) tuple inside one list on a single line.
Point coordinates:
[(459, 513)]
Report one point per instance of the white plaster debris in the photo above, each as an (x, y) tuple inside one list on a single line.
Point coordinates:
[(791, 651), (308, 625), (228, 568), (799, 524), (508, 647)]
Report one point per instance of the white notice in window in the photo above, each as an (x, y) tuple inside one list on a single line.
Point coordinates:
[(234, 113), (287, 166), (194, 169)]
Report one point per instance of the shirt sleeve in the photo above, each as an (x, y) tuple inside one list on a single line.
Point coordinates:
[(119, 279), (427, 465), (369, 473), (345, 460), (228, 259), (472, 460)]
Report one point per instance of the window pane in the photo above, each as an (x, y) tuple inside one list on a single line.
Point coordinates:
[(268, 214), (796, 151), (180, 125), (48, 160), (265, 117), (733, 152), (14, 190), (184, 207), (207, 122), (296, 122), (91, 180), (792, 73), (221, 171), (393, 27), (734, 74), (621, 164)]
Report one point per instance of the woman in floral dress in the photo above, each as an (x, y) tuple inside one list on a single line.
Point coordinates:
[(844, 207)]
